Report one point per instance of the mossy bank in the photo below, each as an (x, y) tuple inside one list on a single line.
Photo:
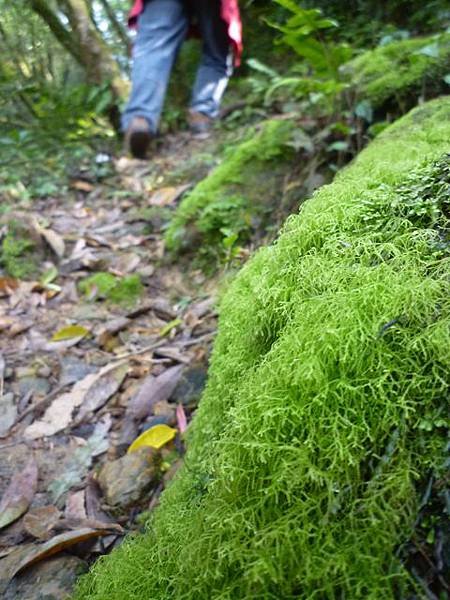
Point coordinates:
[(396, 75), (246, 187), (326, 407)]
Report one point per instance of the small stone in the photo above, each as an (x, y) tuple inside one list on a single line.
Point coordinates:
[(37, 385), (8, 413), (44, 371), (73, 370), (53, 579), (191, 385), (125, 481)]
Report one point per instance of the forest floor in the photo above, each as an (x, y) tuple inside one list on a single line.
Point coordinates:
[(111, 341)]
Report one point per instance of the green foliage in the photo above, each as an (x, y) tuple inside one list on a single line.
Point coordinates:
[(226, 200), (365, 22), (16, 253), (401, 71), (306, 459), (305, 32), (118, 290)]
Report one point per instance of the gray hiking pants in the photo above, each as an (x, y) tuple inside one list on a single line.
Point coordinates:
[(162, 28)]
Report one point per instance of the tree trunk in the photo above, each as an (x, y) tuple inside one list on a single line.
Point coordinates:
[(85, 44), (118, 27)]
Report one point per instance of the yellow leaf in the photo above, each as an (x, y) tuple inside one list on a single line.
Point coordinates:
[(169, 327), (155, 437), (69, 333)]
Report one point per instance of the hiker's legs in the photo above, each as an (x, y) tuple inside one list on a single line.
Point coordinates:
[(216, 64), (162, 28)]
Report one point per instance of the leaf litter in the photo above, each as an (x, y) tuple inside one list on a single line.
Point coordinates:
[(82, 378)]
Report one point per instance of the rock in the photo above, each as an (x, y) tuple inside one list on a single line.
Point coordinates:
[(125, 481), (152, 421), (37, 385), (53, 579), (73, 369), (191, 385), (8, 413)]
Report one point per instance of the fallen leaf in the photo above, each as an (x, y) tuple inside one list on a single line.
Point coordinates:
[(173, 353), (19, 494), (82, 186), (166, 330), (8, 413), (40, 521), (159, 306), (7, 286), (78, 464), (109, 329), (94, 390), (69, 333), (93, 502), (181, 418), (168, 195), (153, 390), (54, 240), (107, 382), (155, 437), (75, 506), (32, 554), (127, 263), (61, 345), (2, 374)]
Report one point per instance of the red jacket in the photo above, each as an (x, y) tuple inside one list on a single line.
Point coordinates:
[(230, 14)]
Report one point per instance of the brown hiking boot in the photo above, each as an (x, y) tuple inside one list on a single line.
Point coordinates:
[(199, 124), (138, 137)]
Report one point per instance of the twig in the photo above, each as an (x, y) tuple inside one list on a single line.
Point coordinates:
[(153, 346), (156, 345), (203, 338)]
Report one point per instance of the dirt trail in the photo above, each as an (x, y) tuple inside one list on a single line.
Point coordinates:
[(84, 369)]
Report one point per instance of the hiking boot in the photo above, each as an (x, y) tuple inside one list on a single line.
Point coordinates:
[(199, 123), (138, 137)]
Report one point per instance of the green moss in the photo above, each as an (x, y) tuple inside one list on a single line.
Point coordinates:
[(16, 253), (242, 187), (119, 290), (402, 70), (305, 463)]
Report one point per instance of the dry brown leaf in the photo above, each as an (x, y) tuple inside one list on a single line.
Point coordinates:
[(160, 306), (7, 286), (40, 521), (93, 502), (29, 555), (108, 381), (168, 195), (153, 390), (90, 393), (75, 506), (82, 186), (54, 240), (19, 494)]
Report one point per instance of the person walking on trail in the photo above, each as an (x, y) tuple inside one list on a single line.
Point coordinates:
[(162, 26)]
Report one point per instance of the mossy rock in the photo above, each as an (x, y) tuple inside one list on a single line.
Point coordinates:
[(326, 408), (244, 188), (399, 72), (20, 251)]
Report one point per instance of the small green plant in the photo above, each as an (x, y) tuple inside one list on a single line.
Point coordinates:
[(16, 254), (125, 290), (318, 74)]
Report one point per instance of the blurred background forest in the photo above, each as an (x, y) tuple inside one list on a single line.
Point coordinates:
[(65, 65)]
